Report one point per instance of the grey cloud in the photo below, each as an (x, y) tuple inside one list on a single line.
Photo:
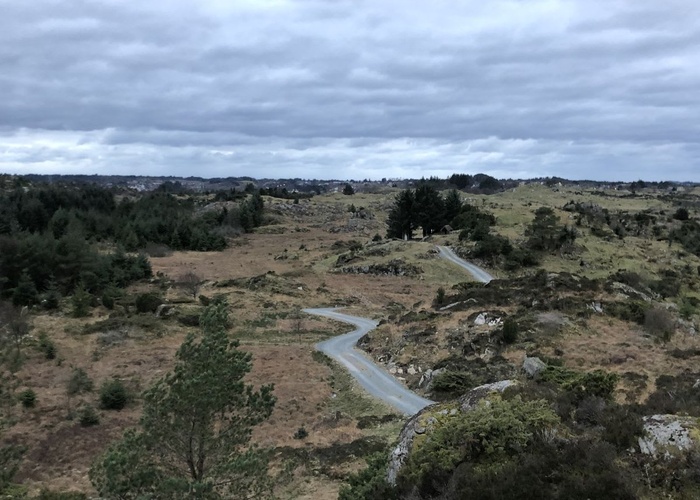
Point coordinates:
[(319, 86)]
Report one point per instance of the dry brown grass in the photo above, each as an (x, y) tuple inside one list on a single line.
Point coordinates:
[(298, 249)]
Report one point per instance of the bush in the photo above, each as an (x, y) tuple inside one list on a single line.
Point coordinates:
[(301, 433), (81, 301), (660, 323), (79, 382), (669, 285), (370, 483), (510, 331), (681, 214), (47, 346), (452, 383), (622, 427), (629, 310), (440, 296), (27, 398), (597, 383), (191, 320), (113, 395), (108, 300), (87, 416), (147, 302)]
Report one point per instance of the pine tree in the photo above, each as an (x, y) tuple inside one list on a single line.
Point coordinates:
[(401, 217), (52, 295), (81, 301), (196, 427), (25, 293), (453, 205)]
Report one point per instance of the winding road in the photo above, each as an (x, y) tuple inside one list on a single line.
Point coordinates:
[(478, 273), (372, 377)]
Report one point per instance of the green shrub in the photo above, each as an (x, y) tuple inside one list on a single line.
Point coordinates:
[(27, 398), (629, 310), (81, 301), (510, 330), (681, 214), (622, 427), (79, 382), (108, 300), (488, 434), (113, 395), (301, 433), (147, 302), (46, 346), (370, 483), (87, 416), (452, 383), (440, 296), (669, 285), (687, 309), (598, 383)]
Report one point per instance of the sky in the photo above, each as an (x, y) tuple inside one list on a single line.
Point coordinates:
[(351, 89)]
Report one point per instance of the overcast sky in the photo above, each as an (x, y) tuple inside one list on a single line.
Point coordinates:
[(594, 89)]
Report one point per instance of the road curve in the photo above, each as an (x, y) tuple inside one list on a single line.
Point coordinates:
[(478, 273), (371, 377)]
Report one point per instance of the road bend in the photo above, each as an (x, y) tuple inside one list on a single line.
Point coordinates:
[(372, 377)]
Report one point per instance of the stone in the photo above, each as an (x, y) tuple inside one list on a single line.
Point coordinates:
[(411, 370), (488, 355), (667, 435), (480, 319), (596, 307), (165, 310), (532, 366)]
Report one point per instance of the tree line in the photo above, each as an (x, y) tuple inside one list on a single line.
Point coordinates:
[(49, 235)]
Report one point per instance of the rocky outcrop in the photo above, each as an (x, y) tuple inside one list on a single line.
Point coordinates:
[(533, 366), (396, 267), (668, 435), (422, 422)]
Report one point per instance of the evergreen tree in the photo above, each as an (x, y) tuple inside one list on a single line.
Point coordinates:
[(453, 205), (429, 209), (348, 189), (401, 217), (52, 295), (25, 294), (81, 301), (195, 428)]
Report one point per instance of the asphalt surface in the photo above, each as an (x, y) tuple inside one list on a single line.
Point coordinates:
[(478, 273), (372, 377)]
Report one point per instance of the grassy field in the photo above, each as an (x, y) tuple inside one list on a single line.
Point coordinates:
[(269, 275)]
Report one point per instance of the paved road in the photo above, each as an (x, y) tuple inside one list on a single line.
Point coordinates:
[(373, 378), (477, 272)]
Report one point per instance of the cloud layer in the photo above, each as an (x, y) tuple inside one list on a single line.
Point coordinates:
[(351, 89)]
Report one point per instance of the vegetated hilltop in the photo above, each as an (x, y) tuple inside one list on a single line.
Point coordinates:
[(598, 284), (595, 312)]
